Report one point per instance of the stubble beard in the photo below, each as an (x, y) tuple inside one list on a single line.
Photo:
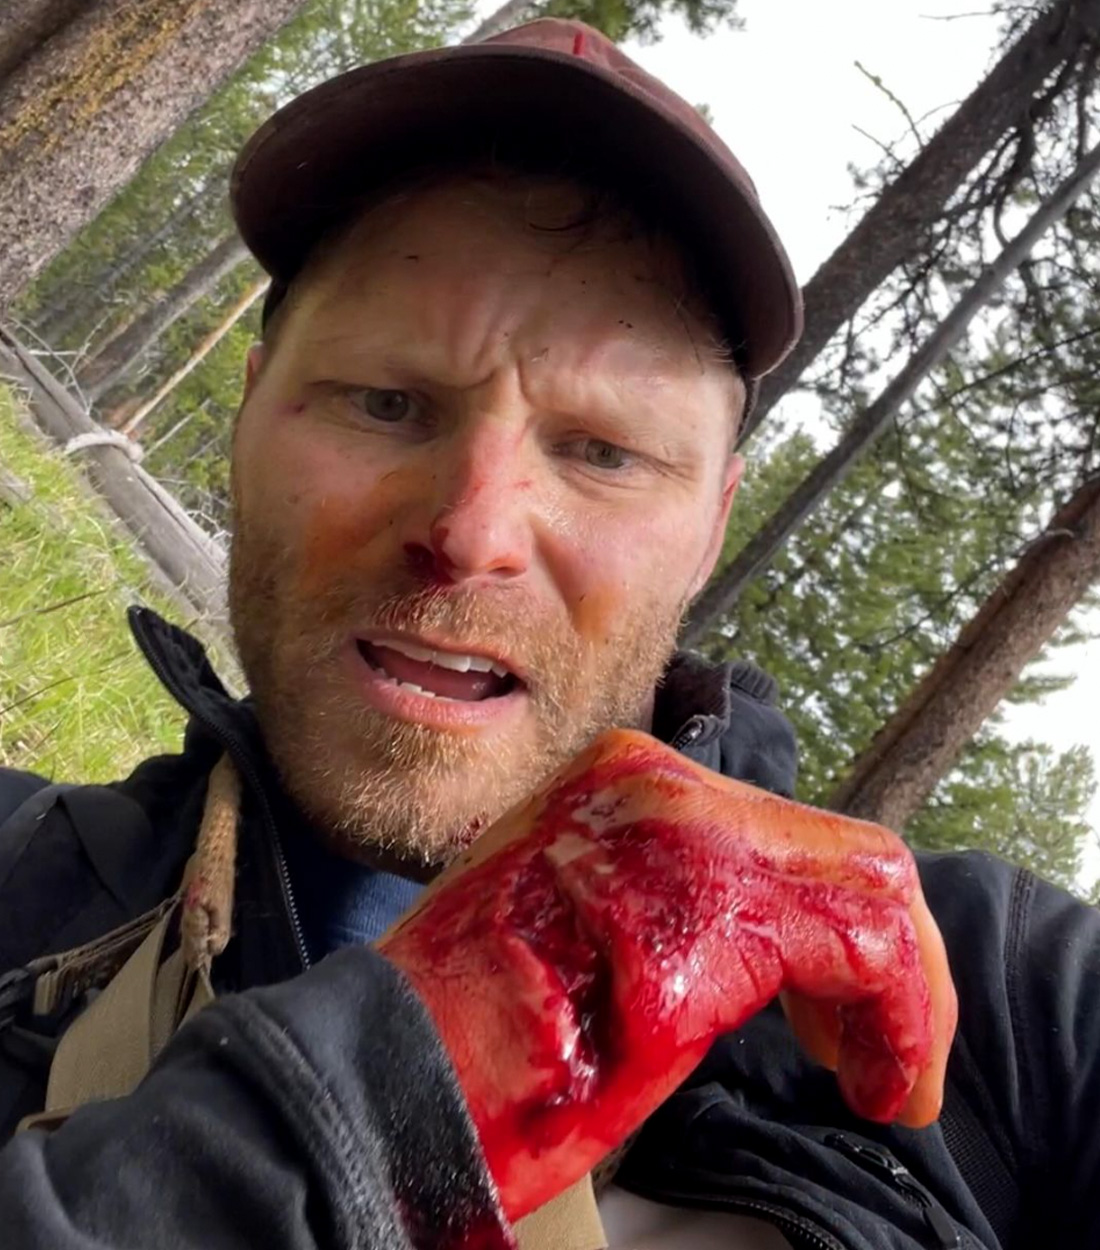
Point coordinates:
[(370, 783)]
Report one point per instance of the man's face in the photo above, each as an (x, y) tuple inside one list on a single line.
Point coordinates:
[(472, 439)]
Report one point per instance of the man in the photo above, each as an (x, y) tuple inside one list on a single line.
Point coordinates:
[(522, 298)]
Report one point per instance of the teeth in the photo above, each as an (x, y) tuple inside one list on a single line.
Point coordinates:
[(411, 685), (411, 650), (446, 659), (460, 663)]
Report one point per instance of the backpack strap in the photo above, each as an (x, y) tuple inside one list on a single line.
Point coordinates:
[(110, 1046), (62, 980), (107, 1050), (20, 824)]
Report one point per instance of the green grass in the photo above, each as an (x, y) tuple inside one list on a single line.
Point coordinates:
[(77, 701)]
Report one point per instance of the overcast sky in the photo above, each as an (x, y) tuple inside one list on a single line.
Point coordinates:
[(787, 96)]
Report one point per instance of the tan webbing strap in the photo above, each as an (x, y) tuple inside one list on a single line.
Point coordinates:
[(62, 979), (202, 996), (568, 1222), (108, 1049), (179, 994)]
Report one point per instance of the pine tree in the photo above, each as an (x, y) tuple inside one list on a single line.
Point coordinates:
[(113, 81), (926, 735), (121, 353), (1023, 803)]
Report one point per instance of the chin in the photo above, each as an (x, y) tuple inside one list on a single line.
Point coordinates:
[(386, 818)]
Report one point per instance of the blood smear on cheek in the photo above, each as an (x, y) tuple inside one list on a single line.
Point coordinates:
[(345, 525), (331, 543)]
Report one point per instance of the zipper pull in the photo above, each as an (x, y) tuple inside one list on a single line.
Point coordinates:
[(898, 1175), (688, 733), (940, 1223)]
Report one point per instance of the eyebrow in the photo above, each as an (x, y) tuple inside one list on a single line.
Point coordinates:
[(411, 362)]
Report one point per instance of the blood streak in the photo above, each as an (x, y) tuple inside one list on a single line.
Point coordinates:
[(429, 565), (544, 918)]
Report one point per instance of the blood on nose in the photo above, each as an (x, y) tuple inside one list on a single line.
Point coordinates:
[(430, 565), (479, 531)]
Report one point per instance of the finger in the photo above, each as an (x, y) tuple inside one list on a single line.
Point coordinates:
[(903, 1036), (816, 1024), (926, 1100), (876, 1078), (861, 958)]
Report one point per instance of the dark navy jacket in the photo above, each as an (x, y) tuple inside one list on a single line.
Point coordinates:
[(317, 1108)]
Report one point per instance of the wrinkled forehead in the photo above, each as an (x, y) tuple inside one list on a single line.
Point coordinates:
[(553, 219)]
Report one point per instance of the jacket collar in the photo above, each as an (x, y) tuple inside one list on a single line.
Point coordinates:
[(181, 665)]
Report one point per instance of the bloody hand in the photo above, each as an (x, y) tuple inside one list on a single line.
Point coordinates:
[(580, 959)]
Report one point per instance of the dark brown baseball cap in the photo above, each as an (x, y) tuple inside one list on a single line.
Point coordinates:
[(303, 171)]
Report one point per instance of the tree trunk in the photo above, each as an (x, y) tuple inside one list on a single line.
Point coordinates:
[(864, 431), (901, 216), (924, 738), (189, 560), (55, 323), (80, 308), (199, 354), (78, 117), (119, 355), (27, 24), (94, 377)]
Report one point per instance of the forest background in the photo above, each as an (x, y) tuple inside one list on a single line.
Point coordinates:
[(147, 313)]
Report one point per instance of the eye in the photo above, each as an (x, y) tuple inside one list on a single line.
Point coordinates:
[(385, 405), (603, 455)]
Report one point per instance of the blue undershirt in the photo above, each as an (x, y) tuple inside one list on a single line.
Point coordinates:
[(340, 903)]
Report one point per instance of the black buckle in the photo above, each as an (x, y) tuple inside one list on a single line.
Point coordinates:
[(16, 989)]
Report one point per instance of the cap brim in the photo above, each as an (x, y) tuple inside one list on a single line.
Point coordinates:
[(300, 171)]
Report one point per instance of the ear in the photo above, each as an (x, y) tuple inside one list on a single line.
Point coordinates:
[(253, 363), (733, 474)]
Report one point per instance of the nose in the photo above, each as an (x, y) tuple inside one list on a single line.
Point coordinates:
[(479, 515)]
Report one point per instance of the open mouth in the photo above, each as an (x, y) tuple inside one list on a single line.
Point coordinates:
[(459, 677)]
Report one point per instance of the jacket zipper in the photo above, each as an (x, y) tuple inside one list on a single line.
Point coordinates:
[(289, 900), (904, 1182), (232, 743), (240, 758)]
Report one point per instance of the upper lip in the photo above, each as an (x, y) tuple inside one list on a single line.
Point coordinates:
[(449, 646)]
